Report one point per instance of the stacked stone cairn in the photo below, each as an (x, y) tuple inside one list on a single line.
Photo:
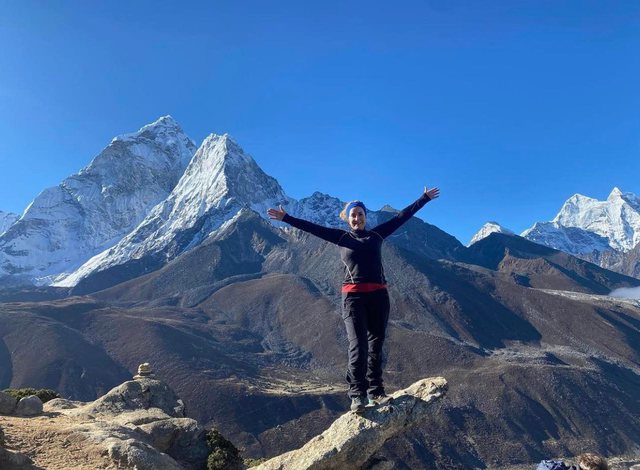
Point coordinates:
[(144, 371)]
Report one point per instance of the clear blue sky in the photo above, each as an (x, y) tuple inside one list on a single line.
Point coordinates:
[(508, 106)]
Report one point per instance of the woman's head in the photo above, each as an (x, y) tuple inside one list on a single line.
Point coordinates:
[(355, 214)]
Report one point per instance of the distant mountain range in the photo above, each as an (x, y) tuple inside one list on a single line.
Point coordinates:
[(240, 315), (604, 232), (150, 196)]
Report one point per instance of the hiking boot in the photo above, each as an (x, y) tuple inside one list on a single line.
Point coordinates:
[(357, 404), (378, 399)]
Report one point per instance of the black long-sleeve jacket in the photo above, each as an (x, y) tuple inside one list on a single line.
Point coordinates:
[(360, 250)]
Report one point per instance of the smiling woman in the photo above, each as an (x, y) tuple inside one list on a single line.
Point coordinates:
[(365, 300)]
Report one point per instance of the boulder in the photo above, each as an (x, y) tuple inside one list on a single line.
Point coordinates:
[(181, 438), (29, 406), (7, 404), (352, 439), (132, 453)]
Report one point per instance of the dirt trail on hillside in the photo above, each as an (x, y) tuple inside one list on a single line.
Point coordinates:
[(51, 445)]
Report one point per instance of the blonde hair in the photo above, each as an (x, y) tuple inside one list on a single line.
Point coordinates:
[(592, 462)]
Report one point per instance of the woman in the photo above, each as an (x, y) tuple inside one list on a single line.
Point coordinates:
[(365, 300)]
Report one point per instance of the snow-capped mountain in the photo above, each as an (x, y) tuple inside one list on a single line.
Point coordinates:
[(487, 229), (598, 231), (319, 208), (218, 184), (220, 181), (67, 224), (7, 219)]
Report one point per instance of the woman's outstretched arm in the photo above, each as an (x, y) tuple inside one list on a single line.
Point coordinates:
[(332, 235), (387, 228)]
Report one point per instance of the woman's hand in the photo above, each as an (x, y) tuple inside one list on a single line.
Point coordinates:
[(276, 214), (432, 193)]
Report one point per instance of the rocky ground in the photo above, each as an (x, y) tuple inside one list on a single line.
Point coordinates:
[(51, 443), (141, 425)]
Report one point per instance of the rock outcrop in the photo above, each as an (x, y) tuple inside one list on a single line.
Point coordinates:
[(143, 393), (139, 424), (352, 439)]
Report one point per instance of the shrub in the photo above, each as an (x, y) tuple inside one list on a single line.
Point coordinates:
[(44, 394), (223, 454)]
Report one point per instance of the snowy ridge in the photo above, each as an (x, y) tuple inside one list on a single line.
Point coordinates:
[(319, 208), (586, 225), (219, 181), (572, 240), (7, 219), (617, 219), (67, 224), (487, 229)]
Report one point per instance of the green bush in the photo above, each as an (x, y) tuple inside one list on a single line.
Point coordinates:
[(43, 394), (223, 454)]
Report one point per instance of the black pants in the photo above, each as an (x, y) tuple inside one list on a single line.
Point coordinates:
[(365, 316)]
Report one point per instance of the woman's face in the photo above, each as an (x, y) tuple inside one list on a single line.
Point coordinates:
[(357, 218)]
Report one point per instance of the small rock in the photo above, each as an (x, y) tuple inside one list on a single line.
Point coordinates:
[(29, 406), (7, 404)]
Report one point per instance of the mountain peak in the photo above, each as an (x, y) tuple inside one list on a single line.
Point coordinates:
[(165, 131), (487, 229), (223, 149), (164, 121), (388, 208), (615, 193)]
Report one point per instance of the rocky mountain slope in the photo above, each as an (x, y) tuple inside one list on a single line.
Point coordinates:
[(67, 224), (246, 328), (241, 315)]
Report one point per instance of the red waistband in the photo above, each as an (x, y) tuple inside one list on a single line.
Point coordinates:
[(363, 287)]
